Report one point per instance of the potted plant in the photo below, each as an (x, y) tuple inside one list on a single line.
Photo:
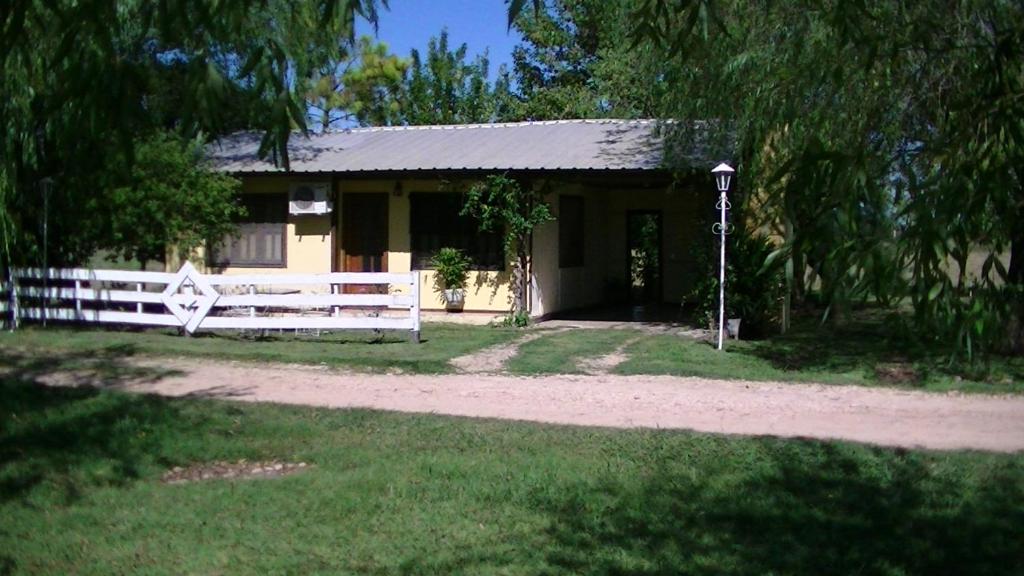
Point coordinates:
[(451, 268)]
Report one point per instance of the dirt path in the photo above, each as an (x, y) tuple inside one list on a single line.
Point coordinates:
[(871, 415)]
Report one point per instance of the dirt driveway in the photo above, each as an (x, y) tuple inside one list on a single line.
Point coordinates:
[(876, 416)]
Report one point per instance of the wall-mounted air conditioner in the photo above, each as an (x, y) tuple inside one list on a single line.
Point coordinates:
[(309, 198)]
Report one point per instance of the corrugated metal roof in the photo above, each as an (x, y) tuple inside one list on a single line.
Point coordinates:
[(552, 145)]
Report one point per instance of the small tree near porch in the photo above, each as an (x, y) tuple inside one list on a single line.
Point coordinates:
[(501, 203)]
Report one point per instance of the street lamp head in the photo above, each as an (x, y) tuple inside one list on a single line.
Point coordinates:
[(723, 176)]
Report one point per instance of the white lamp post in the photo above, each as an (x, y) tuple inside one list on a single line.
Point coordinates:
[(723, 177)]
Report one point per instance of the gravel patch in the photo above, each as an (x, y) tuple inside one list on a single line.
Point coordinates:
[(240, 470)]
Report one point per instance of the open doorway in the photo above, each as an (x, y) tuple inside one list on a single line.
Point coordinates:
[(643, 256)]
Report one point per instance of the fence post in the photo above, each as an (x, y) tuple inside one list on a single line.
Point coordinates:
[(12, 277), (45, 301), (414, 310), (189, 290), (138, 305), (78, 301), (252, 309)]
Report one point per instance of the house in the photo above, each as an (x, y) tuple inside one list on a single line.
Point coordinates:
[(385, 199)]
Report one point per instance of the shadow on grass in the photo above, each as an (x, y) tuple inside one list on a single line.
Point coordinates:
[(107, 367), (872, 342), (814, 509), (855, 345), (74, 432)]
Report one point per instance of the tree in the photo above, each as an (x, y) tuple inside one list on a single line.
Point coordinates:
[(443, 88), (170, 185), (500, 203), (76, 78), (376, 88), (363, 85), (576, 61), (883, 140)]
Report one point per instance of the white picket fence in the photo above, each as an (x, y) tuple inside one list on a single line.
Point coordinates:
[(194, 301)]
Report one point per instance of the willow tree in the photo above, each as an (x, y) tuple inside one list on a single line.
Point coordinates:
[(75, 74), (884, 139)]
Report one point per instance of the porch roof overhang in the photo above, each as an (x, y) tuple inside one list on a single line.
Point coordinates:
[(564, 147)]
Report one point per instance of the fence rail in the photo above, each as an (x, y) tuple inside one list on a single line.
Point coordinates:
[(195, 301)]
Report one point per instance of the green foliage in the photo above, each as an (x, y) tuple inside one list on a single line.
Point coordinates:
[(443, 88), (500, 203), (363, 85), (515, 320), (452, 268), (171, 200), (83, 80), (868, 349), (376, 88), (576, 61), (881, 140), (646, 257), (753, 282)]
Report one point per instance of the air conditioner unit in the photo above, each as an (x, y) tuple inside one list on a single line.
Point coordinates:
[(309, 198)]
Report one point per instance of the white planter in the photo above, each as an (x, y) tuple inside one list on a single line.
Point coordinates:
[(732, 327), (454, 299)]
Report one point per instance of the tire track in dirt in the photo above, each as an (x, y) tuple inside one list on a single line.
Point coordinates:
[(493, 358), (596, 365)]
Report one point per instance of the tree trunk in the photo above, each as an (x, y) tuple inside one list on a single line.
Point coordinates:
[(520, 280), (1015, 279)]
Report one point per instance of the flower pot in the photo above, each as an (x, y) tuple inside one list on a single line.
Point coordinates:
[(732, 327), (454, 299)]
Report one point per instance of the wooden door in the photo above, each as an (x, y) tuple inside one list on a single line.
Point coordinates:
[(364, 240)]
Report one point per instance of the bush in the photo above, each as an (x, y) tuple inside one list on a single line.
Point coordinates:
[(452, 268), (753, 290)]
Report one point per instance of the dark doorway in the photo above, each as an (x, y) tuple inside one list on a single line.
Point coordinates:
[(365, 236), (643, 256)]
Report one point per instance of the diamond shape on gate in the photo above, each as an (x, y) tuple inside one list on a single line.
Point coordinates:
[(193, 313)]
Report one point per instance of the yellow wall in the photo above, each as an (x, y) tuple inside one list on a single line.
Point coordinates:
[(309, 244), (309, 241), (307, 238)]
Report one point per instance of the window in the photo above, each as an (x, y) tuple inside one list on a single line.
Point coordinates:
[(570, 231), (260, 242), (435, 223)]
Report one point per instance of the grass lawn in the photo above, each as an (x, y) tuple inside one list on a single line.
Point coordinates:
[(80, 492), (561, 352), (861, 352), (356, 349)]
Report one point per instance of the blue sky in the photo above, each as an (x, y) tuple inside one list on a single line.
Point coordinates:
[(481, 24)]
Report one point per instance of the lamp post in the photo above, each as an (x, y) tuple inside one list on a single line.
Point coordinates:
[(723, 177)]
